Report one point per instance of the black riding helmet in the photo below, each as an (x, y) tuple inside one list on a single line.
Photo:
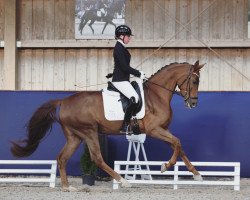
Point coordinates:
[(122, 30)]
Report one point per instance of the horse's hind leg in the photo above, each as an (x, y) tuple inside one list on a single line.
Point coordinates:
[(73, 142), (95, 152)]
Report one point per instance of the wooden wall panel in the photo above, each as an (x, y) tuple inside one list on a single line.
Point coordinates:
[(237, 62), (81, 70), (70, 69), (59, 71), (1, 19), (37, 69), (60, 19), (182, 9), (104, 66), (92, 72), (204, 20), (228, 25), (204, 80), (159, 20), (49, 62), (226, 71), (49, 19), (85, 69), (25, 70), (240, 10), (246, 70), (69, 20), (1, 69), (150, 20), (137, 12), (25, 19), (38, 20)]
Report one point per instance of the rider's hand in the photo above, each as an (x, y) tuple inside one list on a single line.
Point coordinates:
[(142, 76)]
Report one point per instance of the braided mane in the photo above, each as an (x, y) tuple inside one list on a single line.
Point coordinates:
[(175, 63)]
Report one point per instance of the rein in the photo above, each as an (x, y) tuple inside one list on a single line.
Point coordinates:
[(173, 91)]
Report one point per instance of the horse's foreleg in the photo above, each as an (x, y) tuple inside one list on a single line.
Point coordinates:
[(175, 144), (72, 144), (108, 22), (81, 26), (113, 23), (190, 167), (96, 156), (168, 137), (104, 27), (90, 25)]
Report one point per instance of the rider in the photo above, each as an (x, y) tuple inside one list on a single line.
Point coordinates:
[(122, 71), (100, 6)]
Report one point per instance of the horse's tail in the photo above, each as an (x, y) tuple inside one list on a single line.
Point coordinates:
[(39, 124)]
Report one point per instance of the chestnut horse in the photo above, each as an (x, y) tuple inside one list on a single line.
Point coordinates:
[(82, 117)]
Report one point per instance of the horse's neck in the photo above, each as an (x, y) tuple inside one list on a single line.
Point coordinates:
[(162, 86), (166, 81), (158, 96)]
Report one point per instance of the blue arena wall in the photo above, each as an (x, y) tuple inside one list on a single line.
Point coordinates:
[(218, 130)]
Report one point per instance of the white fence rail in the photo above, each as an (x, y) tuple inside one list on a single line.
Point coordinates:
[(173, 177), (27, 171)]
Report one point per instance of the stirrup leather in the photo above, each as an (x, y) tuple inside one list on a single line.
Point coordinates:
[(126, 129)]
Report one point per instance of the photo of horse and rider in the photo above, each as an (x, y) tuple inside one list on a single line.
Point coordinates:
[(97, 19)]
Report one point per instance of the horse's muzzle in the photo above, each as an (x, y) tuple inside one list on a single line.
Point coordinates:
[(191, 102)]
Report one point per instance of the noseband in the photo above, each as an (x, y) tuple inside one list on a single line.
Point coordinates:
[(186, 94)]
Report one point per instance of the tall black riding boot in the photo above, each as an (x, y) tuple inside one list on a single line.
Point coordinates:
[(128, 114)]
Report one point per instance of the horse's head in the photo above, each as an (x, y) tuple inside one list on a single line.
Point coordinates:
[(189, 83)]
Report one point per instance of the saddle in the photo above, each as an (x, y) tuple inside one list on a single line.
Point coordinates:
[(115, 103), (124, 100)]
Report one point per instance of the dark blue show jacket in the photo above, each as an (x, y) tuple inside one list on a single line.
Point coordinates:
[(122, 69)]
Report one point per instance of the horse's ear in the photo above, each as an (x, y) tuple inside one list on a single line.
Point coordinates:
[(197, 66), (196, 63), (200, 66)]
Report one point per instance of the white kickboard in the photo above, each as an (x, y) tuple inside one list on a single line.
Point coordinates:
[(113, 110)]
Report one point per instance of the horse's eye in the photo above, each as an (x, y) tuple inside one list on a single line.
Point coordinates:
[(196, 81)]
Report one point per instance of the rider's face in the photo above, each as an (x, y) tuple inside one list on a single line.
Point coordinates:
[(126, 39)]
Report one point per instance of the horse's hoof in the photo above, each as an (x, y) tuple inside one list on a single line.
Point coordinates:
[(198, 177), (125, 183), (163, 168), (69, 189)]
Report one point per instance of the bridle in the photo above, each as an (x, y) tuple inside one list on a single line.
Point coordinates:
[(186, 94)]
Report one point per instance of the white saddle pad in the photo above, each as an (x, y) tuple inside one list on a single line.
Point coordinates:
[(113, 107)]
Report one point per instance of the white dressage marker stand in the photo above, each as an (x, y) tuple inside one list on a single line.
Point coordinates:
[(50, 171), (173, 177), (137, 142)]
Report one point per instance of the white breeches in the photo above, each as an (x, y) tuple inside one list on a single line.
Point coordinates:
[(127, 89)]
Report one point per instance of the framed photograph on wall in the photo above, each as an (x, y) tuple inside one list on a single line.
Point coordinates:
[(97, 19)]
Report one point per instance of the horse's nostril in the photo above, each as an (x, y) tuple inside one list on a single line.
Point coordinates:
[(194, 104)]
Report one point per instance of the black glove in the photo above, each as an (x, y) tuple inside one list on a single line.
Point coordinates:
[(109, 75)]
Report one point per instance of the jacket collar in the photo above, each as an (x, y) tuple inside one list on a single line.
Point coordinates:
[(119, 40)]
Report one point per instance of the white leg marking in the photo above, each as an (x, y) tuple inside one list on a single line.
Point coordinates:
[(124, 183)]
